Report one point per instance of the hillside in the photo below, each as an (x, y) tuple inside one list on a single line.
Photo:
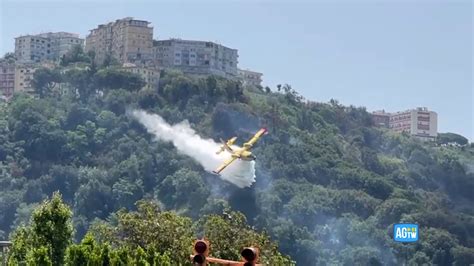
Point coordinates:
[(329, 185)]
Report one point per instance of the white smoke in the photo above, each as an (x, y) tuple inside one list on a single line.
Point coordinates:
[(185, 139)]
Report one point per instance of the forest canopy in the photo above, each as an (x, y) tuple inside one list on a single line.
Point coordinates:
[(329, 185)]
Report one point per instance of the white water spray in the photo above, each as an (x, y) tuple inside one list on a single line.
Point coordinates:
[(188, 142)]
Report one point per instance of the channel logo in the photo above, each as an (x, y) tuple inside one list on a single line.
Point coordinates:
[(405, 232)]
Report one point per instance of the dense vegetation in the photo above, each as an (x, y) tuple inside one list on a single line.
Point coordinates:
[(329, 184), (147, 236)]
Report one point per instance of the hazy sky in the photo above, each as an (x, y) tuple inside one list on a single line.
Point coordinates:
[(390, 55)]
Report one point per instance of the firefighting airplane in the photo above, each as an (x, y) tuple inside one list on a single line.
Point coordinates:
[(242, 153)]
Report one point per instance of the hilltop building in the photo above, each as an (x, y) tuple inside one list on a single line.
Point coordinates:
[(381, 118), (130, 42), (7, 79), (250, 78), (17, 77), (419, 122), (23, 76), (46, 46), (151, 76), (196, 57), (127, 40)]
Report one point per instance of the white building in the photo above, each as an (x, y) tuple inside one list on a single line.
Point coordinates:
[(250, 78), (23, 77), (149, 75), (46, 46), (196, 57), (419, 122)]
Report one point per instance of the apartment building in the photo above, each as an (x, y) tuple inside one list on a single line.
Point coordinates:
[(419, 122), (46, 46), (250, 78), (127, 40), (23, 77), (196, 57), (381, 118), (62, 42), (7, 79), (151, 76)]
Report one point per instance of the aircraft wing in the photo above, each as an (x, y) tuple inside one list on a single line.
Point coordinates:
[(254, 139), (224, 165)]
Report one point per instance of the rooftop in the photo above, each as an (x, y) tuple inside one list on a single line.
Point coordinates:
[(49, 34), (5, 243), (419, 109)]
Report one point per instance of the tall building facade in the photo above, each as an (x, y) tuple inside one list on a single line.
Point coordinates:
[(62, 42), (419, 122), (381, 118), (23, 77), (7, 79), (127, 40), (250, 78), (32, 48), (46, 46), (151, 76), (196, 57)]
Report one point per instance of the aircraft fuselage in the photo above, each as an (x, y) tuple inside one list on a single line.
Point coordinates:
[(244, 155)]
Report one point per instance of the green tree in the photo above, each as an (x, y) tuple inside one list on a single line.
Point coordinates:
[(45, 240), (118, 100), (52, 227), (74, 55), (113, 78), (229, 233), (163, 231), (9, 57), (22, 242), (88, 252), (109, 61), (184, 188), (81, 83), (45, 80), (444, 138), (39, 256)]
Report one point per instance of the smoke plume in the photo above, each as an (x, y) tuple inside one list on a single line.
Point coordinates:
[(188, 142)]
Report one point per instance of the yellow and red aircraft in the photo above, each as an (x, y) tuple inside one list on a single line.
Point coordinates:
[(242, 153)]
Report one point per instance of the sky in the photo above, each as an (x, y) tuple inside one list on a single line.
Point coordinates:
[(391, 55)]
